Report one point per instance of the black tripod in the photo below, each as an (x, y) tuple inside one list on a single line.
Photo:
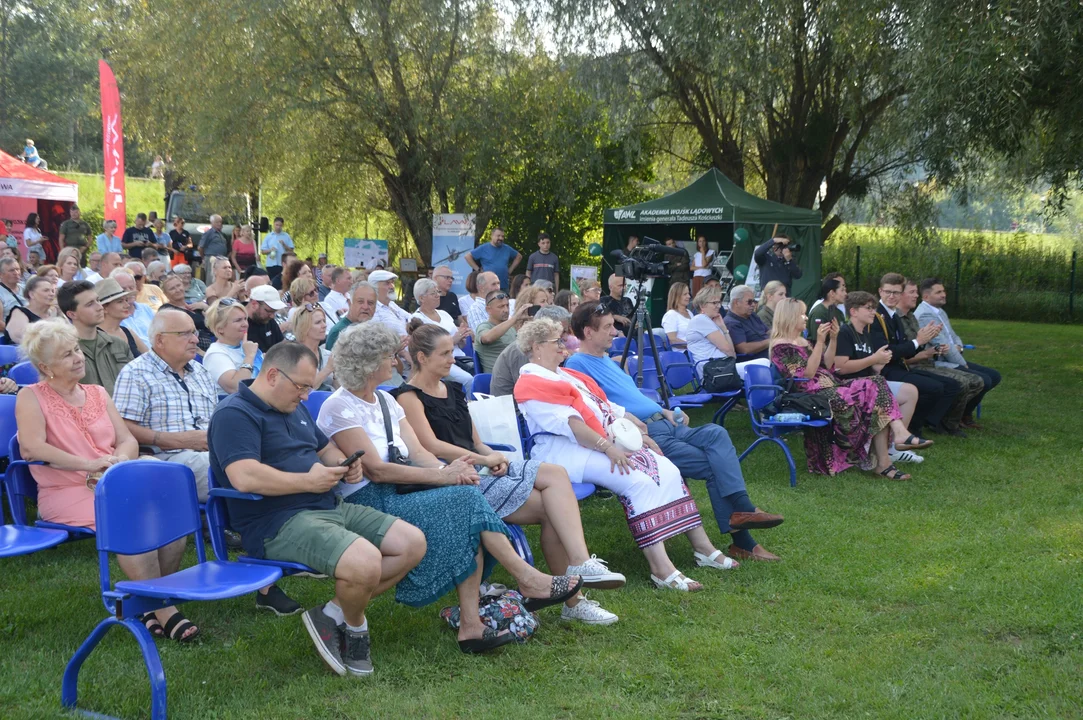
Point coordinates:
[(641, 321)]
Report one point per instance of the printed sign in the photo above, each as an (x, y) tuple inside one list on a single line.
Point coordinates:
[(452, 238), (582, 272), (365, 253)]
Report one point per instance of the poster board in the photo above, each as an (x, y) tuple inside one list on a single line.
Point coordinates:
[(452, 238), (364, 253), (582, 272)]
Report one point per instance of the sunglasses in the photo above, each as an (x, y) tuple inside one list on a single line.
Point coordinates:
[(498, 296), (309, 307), (138, 277), (229, 301)]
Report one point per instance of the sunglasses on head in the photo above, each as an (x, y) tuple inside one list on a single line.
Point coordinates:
[(498, 296), (309, 307), (229, 301)]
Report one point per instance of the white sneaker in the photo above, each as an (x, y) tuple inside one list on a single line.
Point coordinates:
[(596, 574), (588, 612), (905, 456)]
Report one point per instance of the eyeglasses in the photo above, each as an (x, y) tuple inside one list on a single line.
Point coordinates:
[(558, 341), (300, 388), (180, 333), (498, 296), (891, 292)]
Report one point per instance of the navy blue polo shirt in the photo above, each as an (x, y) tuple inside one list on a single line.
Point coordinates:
[(244, 427), (749, 329)]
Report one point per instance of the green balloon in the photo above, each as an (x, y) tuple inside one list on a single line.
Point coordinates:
[(740, 273), (740, 236), (595, 250)]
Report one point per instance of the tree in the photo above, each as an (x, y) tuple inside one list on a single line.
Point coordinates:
[(797, 93), (427, 96)]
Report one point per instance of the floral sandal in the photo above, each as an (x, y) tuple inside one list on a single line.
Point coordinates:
[(677, 581), (892, 473)]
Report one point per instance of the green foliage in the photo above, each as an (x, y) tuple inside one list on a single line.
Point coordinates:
[(143, 195), (1001, 275)]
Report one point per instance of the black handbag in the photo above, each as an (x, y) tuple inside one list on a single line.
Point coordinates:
[(816, 407), (393, 454), (720, 375)]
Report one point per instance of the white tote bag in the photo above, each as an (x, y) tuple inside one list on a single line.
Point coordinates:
[(494, 417)]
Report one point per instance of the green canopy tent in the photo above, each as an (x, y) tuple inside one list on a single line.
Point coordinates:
[(716, 207)]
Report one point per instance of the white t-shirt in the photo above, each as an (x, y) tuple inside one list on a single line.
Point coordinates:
[(698, 260), (696, 336), (445, 322), (392, 315), (32, 235), (345, 411), (221, 359), (336, 303), (674, 322)]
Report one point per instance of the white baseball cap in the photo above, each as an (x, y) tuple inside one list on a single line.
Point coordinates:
[(381, 275), (268, 296)]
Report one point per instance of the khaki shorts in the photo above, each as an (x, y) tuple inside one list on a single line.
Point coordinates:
[(318, 538)]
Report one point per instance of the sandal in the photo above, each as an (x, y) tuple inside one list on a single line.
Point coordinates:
[(489, 640), (727, 563), (562, 588), (677, 581), (176, 627), (150, 622), (892, 473), (913, 442)]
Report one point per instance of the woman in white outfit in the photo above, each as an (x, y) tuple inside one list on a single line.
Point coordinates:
[(577, 415), (428, 297), (708, 337)]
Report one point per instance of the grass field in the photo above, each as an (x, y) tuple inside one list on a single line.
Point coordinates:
[(143, 195), (955, 595)]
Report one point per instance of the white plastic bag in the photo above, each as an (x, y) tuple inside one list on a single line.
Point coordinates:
[(494, 417)]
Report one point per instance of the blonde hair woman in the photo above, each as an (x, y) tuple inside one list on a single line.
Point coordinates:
[(67, 265), (233, 358), (675, 321), (773, 292), (862, 409), (310, 329)]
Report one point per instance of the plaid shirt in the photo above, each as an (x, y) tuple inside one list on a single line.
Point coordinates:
[(149, 393), (478, 314)]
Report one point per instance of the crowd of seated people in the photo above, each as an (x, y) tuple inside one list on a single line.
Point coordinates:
[(424, 508)]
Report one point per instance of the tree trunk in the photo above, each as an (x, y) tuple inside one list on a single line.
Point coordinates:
[(409, 197)]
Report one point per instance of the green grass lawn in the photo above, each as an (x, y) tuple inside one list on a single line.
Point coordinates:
[(142, 195), (955, 595)]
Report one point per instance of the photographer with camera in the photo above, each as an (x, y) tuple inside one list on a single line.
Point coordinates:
[(775, 259)]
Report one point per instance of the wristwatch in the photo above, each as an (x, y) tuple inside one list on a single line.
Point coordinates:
[(246, 366)]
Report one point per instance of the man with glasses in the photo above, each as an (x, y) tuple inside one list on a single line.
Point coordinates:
[(449, 301), (263, 303), (145, 293), (936, 394), (166, 399), (499, 331), (487, 282), (104, 354), (749, 334), (362, 308), (263, 440)]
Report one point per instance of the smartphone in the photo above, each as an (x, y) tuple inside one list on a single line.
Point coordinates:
[(350, 460)]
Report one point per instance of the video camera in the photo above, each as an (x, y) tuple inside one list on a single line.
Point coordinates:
[(644, 261)]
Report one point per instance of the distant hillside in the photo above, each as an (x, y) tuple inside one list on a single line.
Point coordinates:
[(143, 195)]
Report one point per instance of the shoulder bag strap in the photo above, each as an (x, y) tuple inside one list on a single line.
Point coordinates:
[(387, 423)]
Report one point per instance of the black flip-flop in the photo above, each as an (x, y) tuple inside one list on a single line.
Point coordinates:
[(489, 640), (150, 622), (560, 591), (918, 444), (892, 473), (177, 625)]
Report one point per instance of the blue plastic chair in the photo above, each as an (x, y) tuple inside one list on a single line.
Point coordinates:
[(761, 391), (218, 522), (19, 538), (22, 488), (24, 373), (482, 383), (617, 347), (138, 507), (679, 369), (472, 353), (315, 401), (9, 354)]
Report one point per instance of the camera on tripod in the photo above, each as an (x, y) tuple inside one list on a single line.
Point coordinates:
[(641, 264)]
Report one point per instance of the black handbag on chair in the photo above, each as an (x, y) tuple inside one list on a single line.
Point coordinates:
[(720, 376)]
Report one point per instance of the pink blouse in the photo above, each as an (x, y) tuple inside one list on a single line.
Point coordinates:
[(86, 432)]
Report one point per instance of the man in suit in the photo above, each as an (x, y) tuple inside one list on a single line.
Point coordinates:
[(931, 313), (935, 393)]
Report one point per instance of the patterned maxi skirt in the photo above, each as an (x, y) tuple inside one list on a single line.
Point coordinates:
[(452, 519)]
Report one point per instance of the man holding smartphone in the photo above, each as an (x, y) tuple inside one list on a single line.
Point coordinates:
[(263, 440)]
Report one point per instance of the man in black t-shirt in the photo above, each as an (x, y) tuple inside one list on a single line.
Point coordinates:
[(619, 306), (263, 440), (449, 301), (263, 303), (137, 237)]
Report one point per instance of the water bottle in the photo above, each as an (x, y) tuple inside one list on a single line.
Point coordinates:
[(678, 416), (790, 417)]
